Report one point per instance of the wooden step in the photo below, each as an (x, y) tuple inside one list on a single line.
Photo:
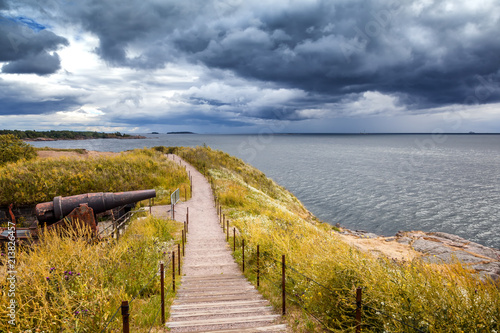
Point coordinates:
[(197, 288), (224, 311), (272, 328), (216, 293), (221, 321), (214, 277), (210, 299), (219, 304), (187, 266)]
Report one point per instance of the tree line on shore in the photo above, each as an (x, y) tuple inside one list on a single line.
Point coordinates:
[(63, 135)]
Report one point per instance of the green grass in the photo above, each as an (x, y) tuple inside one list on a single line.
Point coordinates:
[(40, 180), (430, 297), (67, 282)]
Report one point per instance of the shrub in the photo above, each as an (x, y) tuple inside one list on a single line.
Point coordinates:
[(13, 149)]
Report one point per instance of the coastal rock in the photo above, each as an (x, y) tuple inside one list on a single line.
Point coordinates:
[(440, 247)]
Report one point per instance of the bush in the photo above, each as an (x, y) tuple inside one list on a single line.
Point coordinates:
[(13, 149)]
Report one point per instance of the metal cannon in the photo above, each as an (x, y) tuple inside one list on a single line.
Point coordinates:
[(77, 209), (56, 210)]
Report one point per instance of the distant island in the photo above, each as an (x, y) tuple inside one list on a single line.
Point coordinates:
[(180, 133), (66, 135)]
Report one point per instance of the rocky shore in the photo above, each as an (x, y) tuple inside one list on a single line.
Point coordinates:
[(432, 247)]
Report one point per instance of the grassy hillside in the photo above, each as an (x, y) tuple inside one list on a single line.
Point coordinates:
[(40, 180), (397, 296), (70, 282), (66, 283)]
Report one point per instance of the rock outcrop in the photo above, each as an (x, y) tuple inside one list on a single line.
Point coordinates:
[(440, 247), (433, 247)]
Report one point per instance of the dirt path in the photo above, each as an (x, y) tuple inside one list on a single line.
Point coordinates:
[(214, 296)]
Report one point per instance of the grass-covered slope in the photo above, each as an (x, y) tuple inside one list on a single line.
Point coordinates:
[(40, 180), (397, 296), (69, 283)]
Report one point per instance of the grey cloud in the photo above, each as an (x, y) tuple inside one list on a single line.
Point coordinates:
[(18, 41), (40, 64), (333, 48), (424, 55), (27, 51), (16, 99)]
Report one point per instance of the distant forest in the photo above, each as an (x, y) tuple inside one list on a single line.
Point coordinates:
[(64, 135)]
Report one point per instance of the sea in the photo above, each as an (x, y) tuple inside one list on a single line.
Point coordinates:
[(376, 183)]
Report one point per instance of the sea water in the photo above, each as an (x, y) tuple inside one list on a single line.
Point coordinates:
[(377, 183)]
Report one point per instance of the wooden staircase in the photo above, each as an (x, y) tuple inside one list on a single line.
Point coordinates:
[(221, 303)]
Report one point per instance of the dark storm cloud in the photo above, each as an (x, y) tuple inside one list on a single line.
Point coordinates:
[(335, 48), (429, 55), (4, 4), (144, 26), (26, 47), (328, 53)]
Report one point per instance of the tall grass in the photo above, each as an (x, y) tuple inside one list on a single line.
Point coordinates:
[(398, 296), (67, 282), (30, 182)]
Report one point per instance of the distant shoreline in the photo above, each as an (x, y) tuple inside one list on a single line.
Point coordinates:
[(41, 139)]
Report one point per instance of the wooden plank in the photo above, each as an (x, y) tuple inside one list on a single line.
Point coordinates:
[(271, 328), (213, 277), (228, 285), (216, 299), (219, 304), (214, 293), (213, 312), (221, 321), (210, 265), (214, 283)]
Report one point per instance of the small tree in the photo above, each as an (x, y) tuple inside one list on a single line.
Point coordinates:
[(13, 149)]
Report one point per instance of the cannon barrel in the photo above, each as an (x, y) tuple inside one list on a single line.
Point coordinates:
[(57, 209)]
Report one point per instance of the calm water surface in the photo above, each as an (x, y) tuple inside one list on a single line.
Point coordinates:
[(378, 183)]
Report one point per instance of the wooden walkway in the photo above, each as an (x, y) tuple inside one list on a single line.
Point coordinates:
[(214, 296)]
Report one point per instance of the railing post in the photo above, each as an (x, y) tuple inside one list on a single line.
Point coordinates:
[(162, 286), (283, 292), (227, 231), (234, 239), (183, 241), (173, 270), (115, 229), (179, 257), (359, 292), (125, 316), (243, 253), (185, 227), (224, 222), (258, 271)]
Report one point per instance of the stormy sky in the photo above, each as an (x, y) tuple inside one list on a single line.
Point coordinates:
[(240, 66)]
